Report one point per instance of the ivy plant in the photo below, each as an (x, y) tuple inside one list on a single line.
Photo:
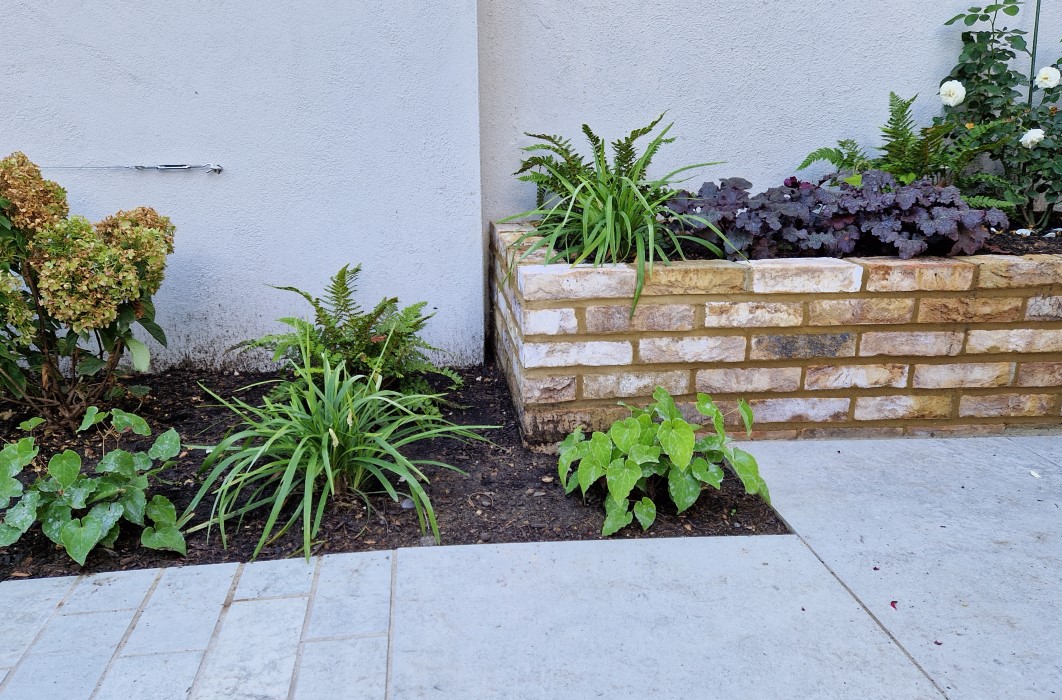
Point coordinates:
[(77, 511), (656, 451)]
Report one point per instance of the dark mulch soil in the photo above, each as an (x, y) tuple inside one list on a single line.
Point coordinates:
[(510, 494), (1012, 244)]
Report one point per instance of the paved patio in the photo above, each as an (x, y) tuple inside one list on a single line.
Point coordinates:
[(921, 568)]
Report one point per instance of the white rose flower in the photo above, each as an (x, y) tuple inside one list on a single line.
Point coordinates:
[(1032, 137), (1048, 77), (952, 93)]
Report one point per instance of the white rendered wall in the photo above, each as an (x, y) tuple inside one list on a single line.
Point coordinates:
[(756, 83), (348, 132)]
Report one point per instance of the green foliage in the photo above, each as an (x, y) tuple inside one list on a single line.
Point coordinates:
[(384, 341), (70, 294), (940, 153), (605, 212), (1027, 178), (327, 432), (78, 512), (654, 449)]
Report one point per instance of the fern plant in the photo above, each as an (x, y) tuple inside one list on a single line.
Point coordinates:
[(603, 211), (384, 340)]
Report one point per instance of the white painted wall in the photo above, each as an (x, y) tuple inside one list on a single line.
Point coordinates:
[(756, 83), (348, 132)]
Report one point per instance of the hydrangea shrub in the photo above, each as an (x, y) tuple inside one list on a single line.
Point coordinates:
[(70, 294)]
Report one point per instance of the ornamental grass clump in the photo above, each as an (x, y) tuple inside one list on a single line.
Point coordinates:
[(606, 212), (326, 433), (70, 294)]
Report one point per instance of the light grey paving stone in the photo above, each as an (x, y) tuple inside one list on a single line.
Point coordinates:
[(152, 676), (342, 669), (1048, 447), (183, 611), (957, 532), (283, 577), (3, 674), (748, 617), (62, 676), (24, 608), (353, 595), (119, 590), (67, 634), (254, 656)]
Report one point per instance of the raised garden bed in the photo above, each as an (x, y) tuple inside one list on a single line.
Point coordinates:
[(819, 347)]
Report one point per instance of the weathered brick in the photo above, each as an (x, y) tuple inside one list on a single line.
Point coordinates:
[(697, 349), (805, 276), (771, 435), (748, 314), (910, 343), (1007, 405), (741, 380), (731, 415), (1039, 374), (548, 389), (923, 274), (696, 277), (549, 321), (1003, 271), (969, 310), (647, 317), (551, 282), (1044, 308), (799, 410), (546, 425), (962, 375), (894, 407), (584, 354), (1018, 340), (787, 347), (937, 431), (633, 384), (855, 376), (842, 312), (849, 432)]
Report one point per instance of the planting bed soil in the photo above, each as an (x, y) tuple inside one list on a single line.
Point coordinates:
[(509, 495), (1013, 244)]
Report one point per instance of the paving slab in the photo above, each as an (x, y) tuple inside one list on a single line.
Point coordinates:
[(954, 545), (281, 578), (25, 606), (61, 676), (353, 596), (695, 617), (152, 676), (83, 632), (340, 669), (118, 590), (1048, 447)]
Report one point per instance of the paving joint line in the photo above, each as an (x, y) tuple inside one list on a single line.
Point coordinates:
[(345, 637), (1029, 449), (870, 614), (293, 684), (388, 690), (128, 631), (55, 612), (217, 629)]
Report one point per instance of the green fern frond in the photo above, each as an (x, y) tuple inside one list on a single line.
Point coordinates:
[(624, 154), (339, 293), (984, 202)]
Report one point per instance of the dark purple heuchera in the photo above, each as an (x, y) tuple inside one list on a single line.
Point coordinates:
[(881, 217)]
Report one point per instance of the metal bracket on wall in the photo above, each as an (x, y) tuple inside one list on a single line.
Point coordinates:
[(208, 167)]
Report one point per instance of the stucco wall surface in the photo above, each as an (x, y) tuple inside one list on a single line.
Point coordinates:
[(348, 133), (756, 83)]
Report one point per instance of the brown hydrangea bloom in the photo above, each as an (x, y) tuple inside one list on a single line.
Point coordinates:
[(14, 311), (144, 238), (35, 203), (82, 280)]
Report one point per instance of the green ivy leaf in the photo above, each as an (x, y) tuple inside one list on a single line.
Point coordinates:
[(122, 421), (23, 515), (677, 439), (165, 537), (76, 494), (621, 477), (590, 470), (80, 536), (644, 454), (65, 468), (625, 434), (645, 511), (711, 474), (601, 449), (161, 511), (55, 517), (134, 502), (167, 446), (93, 416), (9, 535), (746, 415), (665, 405), (683, 487), (31, 423), (617, 516), (747, 469), (117, 462), (111, 537), (90, 365), (141, 354)]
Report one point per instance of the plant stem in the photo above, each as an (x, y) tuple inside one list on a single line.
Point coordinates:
[(1035, 40)]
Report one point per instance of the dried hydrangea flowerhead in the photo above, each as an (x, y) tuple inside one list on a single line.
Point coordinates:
[(952, 93), (144, 238), (33, 202), (1048, 77), (14, 309), (82, 280)]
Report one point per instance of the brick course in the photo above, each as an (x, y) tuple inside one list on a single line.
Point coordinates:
[(818, 347)]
